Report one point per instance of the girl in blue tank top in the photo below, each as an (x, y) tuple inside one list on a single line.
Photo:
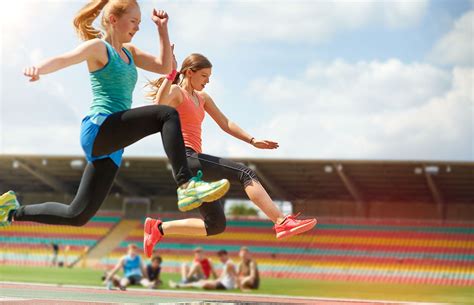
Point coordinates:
[(134, 270), (111, 124)]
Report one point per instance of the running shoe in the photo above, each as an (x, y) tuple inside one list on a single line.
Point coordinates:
[(151, 235), (8, 202), (292, 226), (197, 191)]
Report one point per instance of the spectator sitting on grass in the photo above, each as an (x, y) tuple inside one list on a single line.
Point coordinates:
[(133, 269), (227, 279), (248, 275), (199, 269), (153, 270)]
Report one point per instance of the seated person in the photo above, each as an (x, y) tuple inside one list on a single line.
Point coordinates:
[(133, 269), (153, 271), (248, 275), (199, 269), (227, 279)]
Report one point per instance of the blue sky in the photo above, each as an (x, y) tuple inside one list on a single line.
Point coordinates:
[(326, 79)]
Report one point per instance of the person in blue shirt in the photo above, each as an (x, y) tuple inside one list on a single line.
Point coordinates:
[(133, 268)]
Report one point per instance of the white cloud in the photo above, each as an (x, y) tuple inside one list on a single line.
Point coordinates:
[(56, 138), (302, 21), (360, 88), (399, 14), (457, 46), (19, 17), (370, 110)]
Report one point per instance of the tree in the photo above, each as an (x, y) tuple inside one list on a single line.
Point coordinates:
[(242, 210)]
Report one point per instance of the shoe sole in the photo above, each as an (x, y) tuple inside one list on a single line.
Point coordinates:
[(184, 207), (210, 196), (297, 230), (217, 193)]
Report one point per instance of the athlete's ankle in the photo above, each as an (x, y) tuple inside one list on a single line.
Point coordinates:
[(280, 220), (11, 217), (183, 186), (160, 228)]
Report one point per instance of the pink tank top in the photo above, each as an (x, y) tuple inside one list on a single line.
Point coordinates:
[(191, 117)]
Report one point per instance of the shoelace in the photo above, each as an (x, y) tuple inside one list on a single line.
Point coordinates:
[(292, 217), (198, 177)]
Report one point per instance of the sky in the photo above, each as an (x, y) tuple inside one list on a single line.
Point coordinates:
[(325, 79)]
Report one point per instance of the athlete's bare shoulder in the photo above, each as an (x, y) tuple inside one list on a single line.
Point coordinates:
[(130, 47), (98, 54), (206, 97), (95, 44)]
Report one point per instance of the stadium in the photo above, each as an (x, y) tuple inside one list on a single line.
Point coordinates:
[(387, 230), (238, 152)]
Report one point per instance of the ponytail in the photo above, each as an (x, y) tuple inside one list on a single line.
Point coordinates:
[(86, 16), (156, 84), (194, 62)]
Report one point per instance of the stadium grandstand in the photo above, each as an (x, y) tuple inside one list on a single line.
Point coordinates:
[(337, 188)]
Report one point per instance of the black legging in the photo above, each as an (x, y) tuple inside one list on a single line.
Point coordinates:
[(118, 131), (218, 168)]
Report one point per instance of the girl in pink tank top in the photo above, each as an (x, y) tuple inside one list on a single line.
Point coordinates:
[(191, 113), (184, 92)]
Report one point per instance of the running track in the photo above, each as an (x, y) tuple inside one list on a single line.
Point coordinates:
[(42, 294)]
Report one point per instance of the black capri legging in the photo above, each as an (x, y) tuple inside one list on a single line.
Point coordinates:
[(218, 168), (118, 131)]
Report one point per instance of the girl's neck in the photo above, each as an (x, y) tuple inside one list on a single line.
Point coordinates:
[(187, 87), (114, 42)]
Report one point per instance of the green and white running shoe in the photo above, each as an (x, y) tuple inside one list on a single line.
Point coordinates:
[(197, 191), (8, 202)]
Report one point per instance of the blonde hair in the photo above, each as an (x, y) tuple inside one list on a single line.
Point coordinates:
[(86, 16), (194, 62)]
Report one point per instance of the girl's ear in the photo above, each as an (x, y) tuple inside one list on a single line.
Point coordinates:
[(112, 19), (189, 73)]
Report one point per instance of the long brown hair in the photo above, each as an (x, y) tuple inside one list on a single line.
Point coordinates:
[(86, 16), (194, 62)]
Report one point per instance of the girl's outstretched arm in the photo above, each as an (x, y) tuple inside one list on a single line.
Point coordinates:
[(85, 51), (232, 128)]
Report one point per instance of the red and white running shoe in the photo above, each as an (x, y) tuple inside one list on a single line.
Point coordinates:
[(151, 235), (292, 226)]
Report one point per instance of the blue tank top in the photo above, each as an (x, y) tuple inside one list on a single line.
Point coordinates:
[(132, 266), (113, 84)]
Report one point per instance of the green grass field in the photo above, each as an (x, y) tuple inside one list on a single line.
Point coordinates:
[(395, 292)]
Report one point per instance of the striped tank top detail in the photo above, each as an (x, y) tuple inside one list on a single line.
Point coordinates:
[(191, 117), (113, 84)]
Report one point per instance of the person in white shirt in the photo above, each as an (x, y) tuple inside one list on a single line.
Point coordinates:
[(227, 279)]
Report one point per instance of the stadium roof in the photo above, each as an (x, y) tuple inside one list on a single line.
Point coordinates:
[(432, 181)]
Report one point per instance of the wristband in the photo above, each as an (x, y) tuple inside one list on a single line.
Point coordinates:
[(172, 75), (251, 140)]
